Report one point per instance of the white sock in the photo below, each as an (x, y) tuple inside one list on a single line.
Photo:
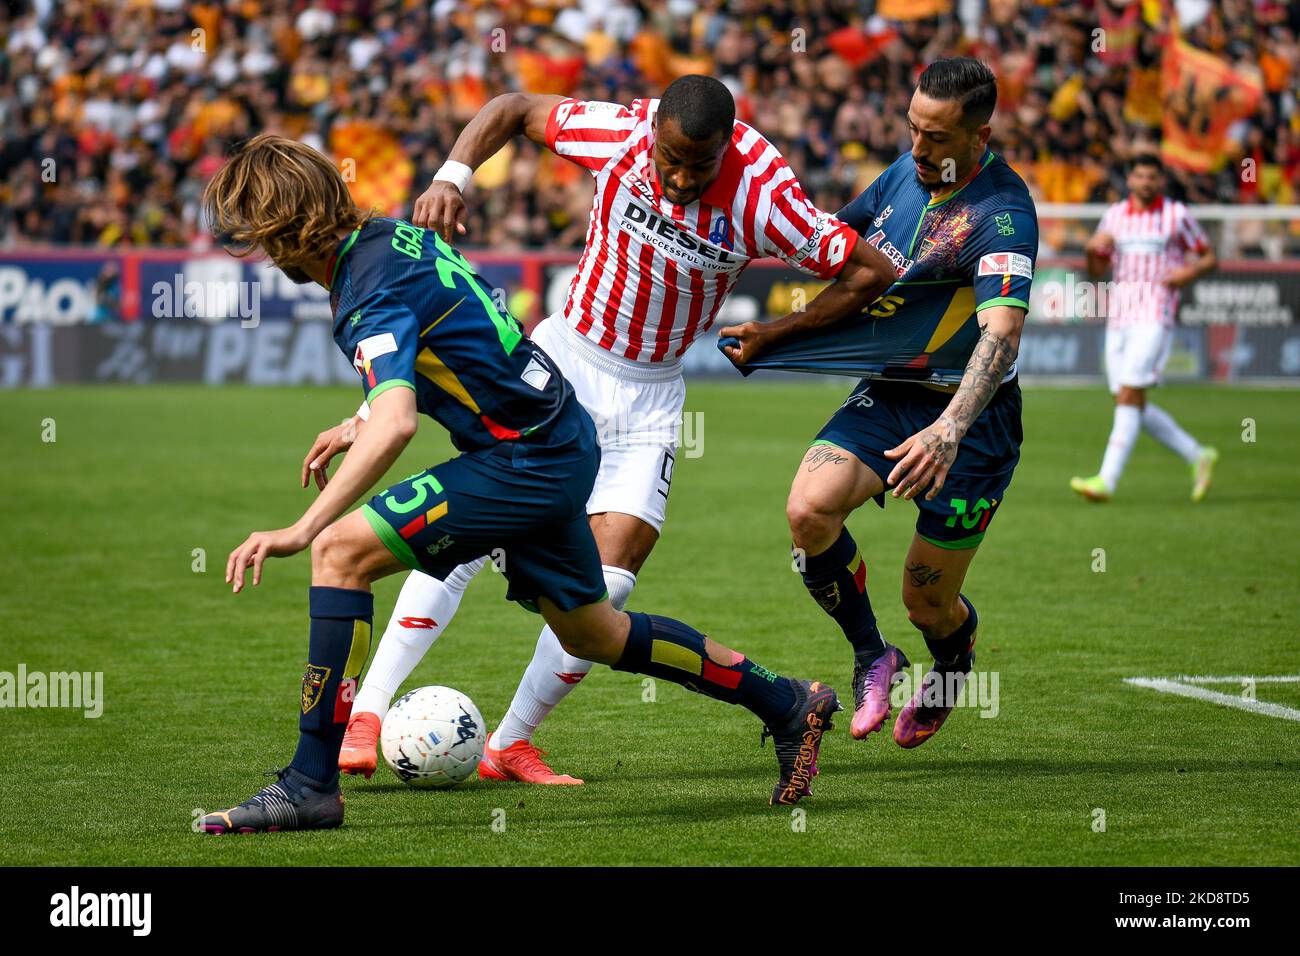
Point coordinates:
[(423, 610), (1162, 427), (543, 686), (1123, 436)]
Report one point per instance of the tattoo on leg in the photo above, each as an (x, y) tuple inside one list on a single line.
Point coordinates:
[(820, 455), (923, 574)]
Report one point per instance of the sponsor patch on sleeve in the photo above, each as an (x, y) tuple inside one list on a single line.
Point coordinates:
[(535, 375), (376, 345), (1006, 263)]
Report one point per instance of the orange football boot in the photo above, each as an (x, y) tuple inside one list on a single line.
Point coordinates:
[(359, 743), (522, 762)]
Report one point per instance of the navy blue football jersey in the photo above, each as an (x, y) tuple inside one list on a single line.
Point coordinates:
[(970, 250), (411, 313)]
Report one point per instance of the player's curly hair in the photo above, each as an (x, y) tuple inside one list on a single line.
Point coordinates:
[(280, 196)]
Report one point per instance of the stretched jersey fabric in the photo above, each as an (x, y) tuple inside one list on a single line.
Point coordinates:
[(971, 250), (410, 312), (654, 273), (1149, 244)]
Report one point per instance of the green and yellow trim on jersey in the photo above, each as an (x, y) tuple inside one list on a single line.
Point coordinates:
[(385, 386)]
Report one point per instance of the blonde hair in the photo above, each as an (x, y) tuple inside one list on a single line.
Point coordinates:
[(280, 196)]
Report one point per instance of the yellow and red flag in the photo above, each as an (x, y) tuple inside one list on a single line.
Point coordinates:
[(1203, 95), (1119, 19), (378, 173), (1142, 97)]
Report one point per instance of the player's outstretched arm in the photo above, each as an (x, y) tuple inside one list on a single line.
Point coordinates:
[(924, 459), (442, 206), (863, 279), (388, 431)]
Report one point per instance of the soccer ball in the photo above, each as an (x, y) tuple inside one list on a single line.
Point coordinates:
[(433, 737)]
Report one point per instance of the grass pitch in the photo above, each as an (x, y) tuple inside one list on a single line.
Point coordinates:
[(201, 687)]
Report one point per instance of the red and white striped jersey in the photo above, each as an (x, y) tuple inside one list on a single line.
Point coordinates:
[(654, 273), (1149, 244)]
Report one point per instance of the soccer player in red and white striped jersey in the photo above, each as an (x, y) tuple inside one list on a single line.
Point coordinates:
[(685, 196), (659, 261), (1155, 246)]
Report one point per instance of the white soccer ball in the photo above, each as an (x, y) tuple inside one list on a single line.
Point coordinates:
[(433, 737)]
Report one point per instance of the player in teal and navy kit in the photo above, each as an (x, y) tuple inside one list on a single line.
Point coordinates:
[(426, 337), (413, 314), (940, 410)]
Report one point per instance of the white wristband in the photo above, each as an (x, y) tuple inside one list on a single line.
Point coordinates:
[(458, 174), (363, 412)]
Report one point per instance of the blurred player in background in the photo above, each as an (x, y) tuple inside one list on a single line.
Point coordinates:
[(961, 229), (685, 197), (1155, 246)]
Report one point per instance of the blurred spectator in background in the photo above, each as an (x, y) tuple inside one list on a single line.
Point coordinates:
[(114, 113), (108, 294)]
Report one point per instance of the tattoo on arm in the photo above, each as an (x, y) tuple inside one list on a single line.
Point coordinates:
[(923, 574), (989, 362), (942, 445), (820, 455)]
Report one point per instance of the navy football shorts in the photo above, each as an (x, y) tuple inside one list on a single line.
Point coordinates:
[(881, 415), (523, 506)]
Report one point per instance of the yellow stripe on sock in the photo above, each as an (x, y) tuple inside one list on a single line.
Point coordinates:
[(360, 650), (674, 655), (855, 563)]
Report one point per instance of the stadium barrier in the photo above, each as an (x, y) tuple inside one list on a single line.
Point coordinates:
[(144, 316)]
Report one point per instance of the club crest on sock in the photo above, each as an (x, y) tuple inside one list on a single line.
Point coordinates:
[(313, 685), (828, 597)]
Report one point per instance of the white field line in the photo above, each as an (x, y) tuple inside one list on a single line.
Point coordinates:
[(1167, 686), (1240, 679)]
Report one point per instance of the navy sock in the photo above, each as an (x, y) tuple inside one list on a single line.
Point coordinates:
[(837, 581), (340, 643), (662, 647), (950, 649)]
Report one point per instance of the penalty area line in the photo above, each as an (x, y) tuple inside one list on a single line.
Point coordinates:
[(1167, 686)]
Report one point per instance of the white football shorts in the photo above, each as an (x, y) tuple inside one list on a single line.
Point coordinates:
[(637, 408), (1136, 354)]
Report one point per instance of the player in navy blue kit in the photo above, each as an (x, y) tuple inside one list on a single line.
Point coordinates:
[(938, 420), (427, 337)]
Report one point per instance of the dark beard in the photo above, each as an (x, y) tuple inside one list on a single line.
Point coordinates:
[(295, 274), (927, 186)]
